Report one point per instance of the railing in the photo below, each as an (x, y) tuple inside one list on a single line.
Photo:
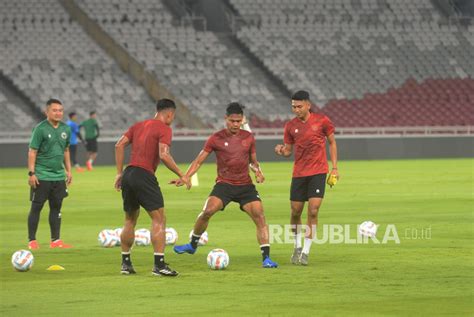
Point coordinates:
[(408, 131), (277, 133)]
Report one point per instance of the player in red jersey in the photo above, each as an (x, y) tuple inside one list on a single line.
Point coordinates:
[(151, 140), (307, 133), (235, 152)]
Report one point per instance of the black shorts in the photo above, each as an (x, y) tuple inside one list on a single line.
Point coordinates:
[(242, 194), (303, 188), (140, 188), (48, 190), (91, 145)]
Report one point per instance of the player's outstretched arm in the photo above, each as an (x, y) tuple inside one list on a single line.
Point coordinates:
[(193, 168), (196, 164), (284, 149), (119, 154), (167, 159)]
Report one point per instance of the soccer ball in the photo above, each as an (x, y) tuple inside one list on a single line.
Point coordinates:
[(217, 259), (142, 237), (368, 229), (203, 240), (171, 236), (108, 238), (22, 260), (118, 233)]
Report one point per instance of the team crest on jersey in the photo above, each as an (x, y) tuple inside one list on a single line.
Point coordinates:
[(64, 135), (226, 144), (244, 143), (314, 127)]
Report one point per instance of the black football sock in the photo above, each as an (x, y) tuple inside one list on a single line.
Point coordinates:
[(159, 260), (265, 249), (195, 240), (55, 219), (126, 259), (33, 219)]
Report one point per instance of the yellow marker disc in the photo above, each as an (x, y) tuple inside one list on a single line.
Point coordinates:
[(55, 267)]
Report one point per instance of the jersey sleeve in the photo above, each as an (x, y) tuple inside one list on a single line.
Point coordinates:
[(209, 146), (129, 133), (36, 139), (328, 126), (166, 136), (287, 137)]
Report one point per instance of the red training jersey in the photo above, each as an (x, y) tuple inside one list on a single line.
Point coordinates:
[(233, 155), (309, 142), (145, 137)]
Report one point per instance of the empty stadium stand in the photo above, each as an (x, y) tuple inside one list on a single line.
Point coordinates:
[(366, 63), (341, 50), (205, 70), (46, 54), (434, 102)]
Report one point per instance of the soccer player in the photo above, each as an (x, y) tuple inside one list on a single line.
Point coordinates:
[(49, 171), (235, 149), (307, 132), (151, 141), (75, 134), (91, 128)]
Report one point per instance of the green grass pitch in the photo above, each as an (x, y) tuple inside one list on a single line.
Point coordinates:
[(429, 276)]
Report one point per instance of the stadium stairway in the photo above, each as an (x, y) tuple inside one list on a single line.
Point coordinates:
[(196, 66), (46, 54), (19, 113), (128, 64)]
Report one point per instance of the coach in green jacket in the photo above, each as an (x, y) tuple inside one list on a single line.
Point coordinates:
[(49, 172)]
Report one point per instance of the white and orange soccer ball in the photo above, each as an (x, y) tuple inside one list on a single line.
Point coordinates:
[(368, 229), (22, 260), (142, 237), (204, 238), (218, 259), (171, 236), (108, 238)]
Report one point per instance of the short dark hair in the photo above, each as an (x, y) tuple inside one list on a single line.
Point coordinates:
[(71, 114), (165, 103), (235, 108), (53, 100), (92, 113), (300, 95)]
